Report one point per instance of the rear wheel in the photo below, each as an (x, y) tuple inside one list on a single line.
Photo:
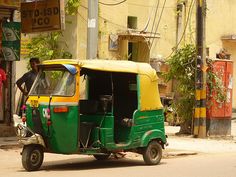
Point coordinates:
[(101, 156), (152, 154), (32, 157)]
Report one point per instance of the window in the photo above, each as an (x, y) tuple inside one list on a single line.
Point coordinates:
[(132, 22), (57, 82)]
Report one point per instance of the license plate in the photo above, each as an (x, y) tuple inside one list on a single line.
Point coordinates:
[(34, 103)]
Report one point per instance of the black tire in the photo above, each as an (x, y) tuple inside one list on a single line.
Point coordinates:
[(32, 157), (101, 156), (152, 154)]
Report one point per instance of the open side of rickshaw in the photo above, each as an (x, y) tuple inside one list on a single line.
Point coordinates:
[(95, 108)]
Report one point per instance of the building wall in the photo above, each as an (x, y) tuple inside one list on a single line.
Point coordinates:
[(221, 21), (70, 35), (167, 27), (143, 10), (112, 20), (82, 31)]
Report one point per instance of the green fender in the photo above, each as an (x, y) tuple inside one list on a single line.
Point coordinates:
[(152, 134)]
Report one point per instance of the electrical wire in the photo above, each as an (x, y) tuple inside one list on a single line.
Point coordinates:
[(124, 27), (148, 21), (142, 5), (82, 17), (153, 24), (154, 20), (189, 15), (112, 4), (83, 6), (163, 7), (158, 23)]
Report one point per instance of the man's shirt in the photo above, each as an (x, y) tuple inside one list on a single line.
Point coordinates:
[(28, 78)]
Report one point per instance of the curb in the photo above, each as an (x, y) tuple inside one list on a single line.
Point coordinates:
[(177, 153), (8, 142), (10, 146), (180, 153)]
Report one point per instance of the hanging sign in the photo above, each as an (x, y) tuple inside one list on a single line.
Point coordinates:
[(39, 16), (10, 3), (113, 42), (25, 40), (11, 41)]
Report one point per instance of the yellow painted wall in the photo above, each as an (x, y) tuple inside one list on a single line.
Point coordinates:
[(112, 20), (70, 35), (75, 33), (220, 21)]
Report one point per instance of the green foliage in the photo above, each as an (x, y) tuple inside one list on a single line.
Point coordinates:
[(72, 6), (48, 46), (182, 70), (215, 85)]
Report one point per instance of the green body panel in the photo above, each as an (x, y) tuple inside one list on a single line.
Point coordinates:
[(103, 128), (62, 135), (148, 125)]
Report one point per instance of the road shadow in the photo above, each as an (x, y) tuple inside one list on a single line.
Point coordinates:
[(90, 163)]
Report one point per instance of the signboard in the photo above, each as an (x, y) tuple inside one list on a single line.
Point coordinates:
[(113, 42), (25, 40), (10, 3), (11, 41), (39, 16)]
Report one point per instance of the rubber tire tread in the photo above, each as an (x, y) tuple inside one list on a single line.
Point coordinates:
[(26, 154), (147, 153)]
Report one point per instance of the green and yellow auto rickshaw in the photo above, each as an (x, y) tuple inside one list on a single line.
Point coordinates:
[(93, 107)]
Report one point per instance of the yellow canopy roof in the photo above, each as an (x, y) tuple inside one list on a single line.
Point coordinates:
[(149, 94), (110, 65)]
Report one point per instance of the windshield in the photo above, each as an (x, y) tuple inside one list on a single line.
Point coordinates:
[(51, 81)]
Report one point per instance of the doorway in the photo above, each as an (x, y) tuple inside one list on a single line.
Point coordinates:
[(138, 51)]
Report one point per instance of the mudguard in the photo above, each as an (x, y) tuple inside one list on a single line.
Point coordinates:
[(152, 134), (34, 139)]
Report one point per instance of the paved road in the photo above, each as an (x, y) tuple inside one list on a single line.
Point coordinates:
[(201, 165), (215, 158)]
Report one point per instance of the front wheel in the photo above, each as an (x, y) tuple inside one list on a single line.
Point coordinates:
[(152, 154), (32, 157)]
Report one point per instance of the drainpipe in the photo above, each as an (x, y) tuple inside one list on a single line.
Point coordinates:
[(92, 29)]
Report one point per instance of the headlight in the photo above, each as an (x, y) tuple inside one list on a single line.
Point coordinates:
[(21, 131)]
